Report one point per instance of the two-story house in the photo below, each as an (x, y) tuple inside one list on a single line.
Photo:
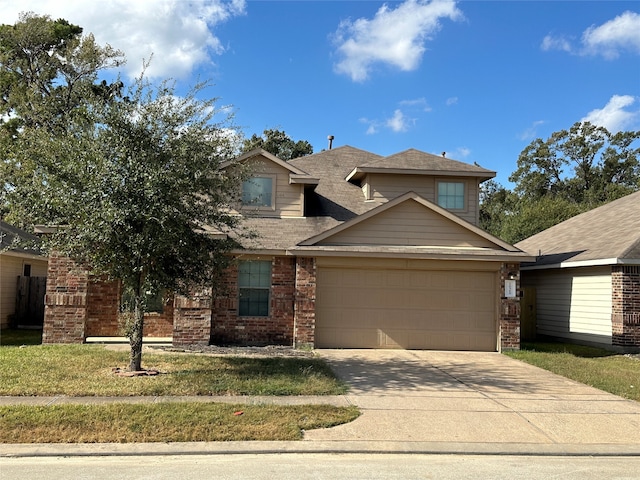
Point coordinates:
[(356, 250)]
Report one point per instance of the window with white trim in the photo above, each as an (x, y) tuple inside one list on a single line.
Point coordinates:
[(254, 284), (258, 192), (451, 195)]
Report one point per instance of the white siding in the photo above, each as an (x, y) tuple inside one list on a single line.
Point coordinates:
[(11, 267), (573, 303)]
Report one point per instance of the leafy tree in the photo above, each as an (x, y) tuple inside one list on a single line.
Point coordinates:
[(48, 75), (135, 180), (569, 173), (580, 164), (279, 144)]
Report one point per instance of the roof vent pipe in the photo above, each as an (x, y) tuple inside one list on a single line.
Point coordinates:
[(444, 154), (330, 138)]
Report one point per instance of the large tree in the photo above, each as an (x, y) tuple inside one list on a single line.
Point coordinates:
[(570, 172), (134, 176), (278, 143), (48, 82)]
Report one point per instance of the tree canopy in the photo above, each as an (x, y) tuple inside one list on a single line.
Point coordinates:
[(279, 144), (133, 174), (569, 173)]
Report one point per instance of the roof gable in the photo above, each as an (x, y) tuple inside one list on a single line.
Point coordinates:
[(609, 234), (408, 220), (296, 175)]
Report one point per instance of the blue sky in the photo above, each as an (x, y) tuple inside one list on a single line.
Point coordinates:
[(476, 79)]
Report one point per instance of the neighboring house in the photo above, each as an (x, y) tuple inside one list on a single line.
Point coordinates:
[(354, 250), (16, 262), (587, 276)]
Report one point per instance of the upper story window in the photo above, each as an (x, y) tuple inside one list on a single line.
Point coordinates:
[(254, 283), (451, 195), (258, 192)]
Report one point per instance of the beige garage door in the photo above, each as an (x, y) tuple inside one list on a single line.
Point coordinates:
[(412, 309)]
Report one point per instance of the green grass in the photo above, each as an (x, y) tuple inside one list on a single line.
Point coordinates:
[(165, 422), (615, 373), (87, 370), (16, 337)]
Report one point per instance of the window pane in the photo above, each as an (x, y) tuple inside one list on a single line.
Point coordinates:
[(254, 282), (257, 192), (451, 195), (254, 302)]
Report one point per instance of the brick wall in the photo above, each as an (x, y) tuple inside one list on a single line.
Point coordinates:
[(275, 329), (65, 311), (625, 311), (305, 299), (192, 319), (509, 309), (160, 324), (103, 306)]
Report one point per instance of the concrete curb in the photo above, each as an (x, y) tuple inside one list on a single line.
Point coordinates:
[(338, 447)]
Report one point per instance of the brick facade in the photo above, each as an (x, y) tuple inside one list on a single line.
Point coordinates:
[(305, 303), (103, 305), (65, 302), (77, 307), (192, 319), (625, 311), (276, 329), (509, 309)]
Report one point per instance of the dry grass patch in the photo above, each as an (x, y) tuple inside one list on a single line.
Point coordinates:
[(614, 373), (165, 422)]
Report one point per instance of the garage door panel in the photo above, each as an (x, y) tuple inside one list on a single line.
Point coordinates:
[(417, 309)]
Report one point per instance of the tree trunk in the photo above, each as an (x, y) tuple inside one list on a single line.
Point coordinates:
[(135, 335)]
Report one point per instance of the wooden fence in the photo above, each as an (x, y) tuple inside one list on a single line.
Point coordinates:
[(30, 301)]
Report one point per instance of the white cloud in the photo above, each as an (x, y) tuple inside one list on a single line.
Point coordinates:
[(616, 115), (621, 33), (609, 39), (531, 132), (452, 101), (418, 103), (398, 122), (551, 42), (178, 33), (394, 37), (461, 152)]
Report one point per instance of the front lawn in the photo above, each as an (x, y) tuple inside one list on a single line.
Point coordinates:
[(88, 370), (165, 422), (615, 373)]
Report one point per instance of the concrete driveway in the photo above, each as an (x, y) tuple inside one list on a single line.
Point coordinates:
[(476, 402)]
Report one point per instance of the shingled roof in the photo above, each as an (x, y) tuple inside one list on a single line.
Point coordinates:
[(609, 234), (414, 161), (334, 200)]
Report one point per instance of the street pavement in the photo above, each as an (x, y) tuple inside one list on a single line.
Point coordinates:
[(420, 402)]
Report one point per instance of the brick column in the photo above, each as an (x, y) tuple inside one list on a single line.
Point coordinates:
[(625, 309), (305, 303), (65, 310), (192, 319), (509, 309)]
